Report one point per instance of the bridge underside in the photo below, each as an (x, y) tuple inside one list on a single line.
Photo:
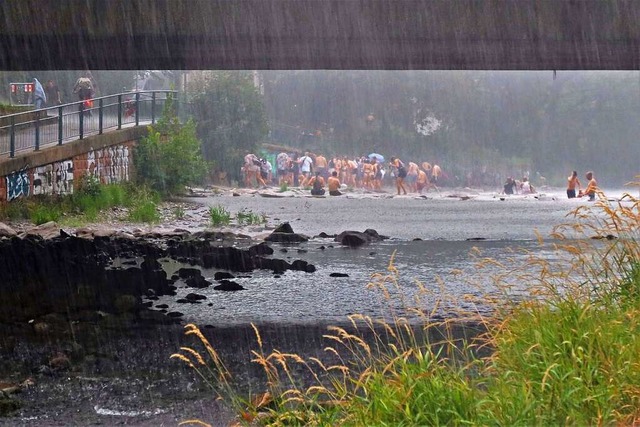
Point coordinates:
[(320, 34)]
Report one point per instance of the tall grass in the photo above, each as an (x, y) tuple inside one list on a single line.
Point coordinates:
[(87, 204), (566, 353)]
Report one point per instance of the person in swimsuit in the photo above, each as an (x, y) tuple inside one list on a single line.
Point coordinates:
[(334, 184), (573, 183), (401, 174), (592, 186)]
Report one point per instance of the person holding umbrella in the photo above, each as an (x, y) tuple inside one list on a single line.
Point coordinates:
[(379, 157)]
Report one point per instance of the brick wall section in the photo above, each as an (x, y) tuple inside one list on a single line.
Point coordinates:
[(3, 189), (108, 157)]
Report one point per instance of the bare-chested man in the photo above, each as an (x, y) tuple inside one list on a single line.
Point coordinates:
[(333, 184), (412, 177)]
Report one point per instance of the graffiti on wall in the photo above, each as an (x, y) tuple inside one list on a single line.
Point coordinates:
[(54, 178), (18, 184), (109, 165)]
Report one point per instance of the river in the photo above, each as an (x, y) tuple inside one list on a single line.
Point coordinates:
[(436, 243)]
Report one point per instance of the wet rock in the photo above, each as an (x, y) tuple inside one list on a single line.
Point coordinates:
[(286, 237), (352, 239), (338, 275), (197, 282), (285, 227), (302, 265), (195, 297), (284, 234), (6, 231), (261, 249), (219, 275), (48, 230), (228, 285), (185, 273), (175, 314), (162, 306), (324, 235), (357, 238), (279, 266)]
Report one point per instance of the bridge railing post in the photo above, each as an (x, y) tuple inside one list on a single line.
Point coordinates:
[(137, 108), (153, 108), (81, 121), (119, 111), (60, 126), (37, 148), (12, 139), (100, 116)]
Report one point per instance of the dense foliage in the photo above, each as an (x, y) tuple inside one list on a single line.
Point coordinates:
[(231, 117), (169, 157)]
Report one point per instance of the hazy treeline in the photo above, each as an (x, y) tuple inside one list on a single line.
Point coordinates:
[(484, 122)]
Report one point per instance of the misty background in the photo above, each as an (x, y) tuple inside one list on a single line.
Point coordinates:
[(478, 125)]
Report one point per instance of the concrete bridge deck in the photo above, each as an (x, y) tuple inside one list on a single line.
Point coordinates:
[(320, 34)]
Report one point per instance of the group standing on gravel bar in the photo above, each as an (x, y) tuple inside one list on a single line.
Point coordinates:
[(339, 172)]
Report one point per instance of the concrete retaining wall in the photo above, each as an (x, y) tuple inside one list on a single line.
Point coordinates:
[(108, 157)]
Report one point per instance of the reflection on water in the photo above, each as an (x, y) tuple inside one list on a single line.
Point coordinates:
[(448, 271)]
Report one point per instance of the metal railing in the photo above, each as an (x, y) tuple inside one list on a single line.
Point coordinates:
[(37, 129)]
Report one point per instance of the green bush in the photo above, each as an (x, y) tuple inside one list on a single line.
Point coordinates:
[(115, 195), (41, 214), (170, 157)]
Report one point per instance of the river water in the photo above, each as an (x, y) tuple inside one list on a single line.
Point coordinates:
[(436, 244)]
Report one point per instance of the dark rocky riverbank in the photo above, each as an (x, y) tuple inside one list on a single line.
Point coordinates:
[(82, 343)]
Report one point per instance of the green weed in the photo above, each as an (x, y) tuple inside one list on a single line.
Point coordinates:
[(247, 217), (144, 211), (41, 214), (178, 212), (219, 215)]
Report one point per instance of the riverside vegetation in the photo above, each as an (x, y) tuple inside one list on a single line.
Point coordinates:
[(167, 160), (565, 354)]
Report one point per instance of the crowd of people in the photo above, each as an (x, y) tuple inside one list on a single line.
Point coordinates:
[(315, 171), (513, 186)]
